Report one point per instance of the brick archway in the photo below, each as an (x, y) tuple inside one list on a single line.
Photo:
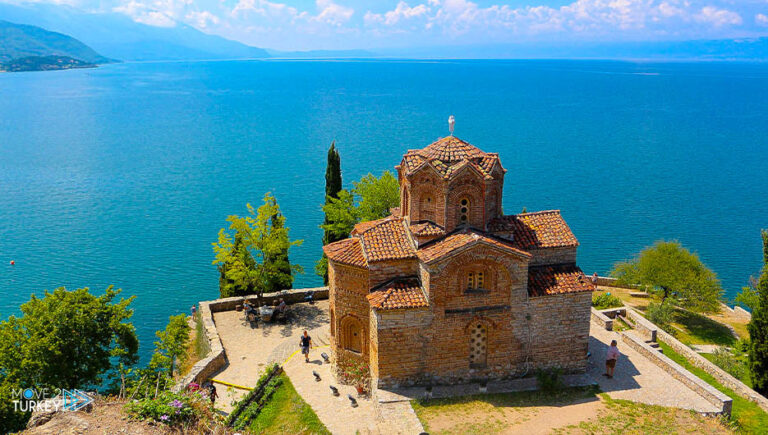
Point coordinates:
[(351, 334)]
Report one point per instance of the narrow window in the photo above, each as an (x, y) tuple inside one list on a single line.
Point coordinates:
[(478, 346), (479, 280), (470, 280), (464, 210)]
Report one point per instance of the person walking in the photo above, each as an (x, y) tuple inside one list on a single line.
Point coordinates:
[(610, 359), (305, 343), (212, 393)]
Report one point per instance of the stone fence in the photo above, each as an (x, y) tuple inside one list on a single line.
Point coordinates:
[(722, 402), (216, 357), (612, 282), (721, 375), (652, 332)]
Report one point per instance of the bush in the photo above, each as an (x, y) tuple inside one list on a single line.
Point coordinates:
[(661, 315), (602, 301), (549, 379), (730, 363), (168, 408)]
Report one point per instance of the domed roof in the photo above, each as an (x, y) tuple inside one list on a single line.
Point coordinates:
[(447, 155)]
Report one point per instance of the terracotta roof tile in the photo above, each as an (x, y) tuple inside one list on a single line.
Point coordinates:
[(423, 229), (348, 251), (385, 239), (447, 155), (399, 293), (551, 280), (543, 229), (453, 242)]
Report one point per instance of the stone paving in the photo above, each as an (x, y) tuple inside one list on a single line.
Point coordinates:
[(638, 379), (249, 350)]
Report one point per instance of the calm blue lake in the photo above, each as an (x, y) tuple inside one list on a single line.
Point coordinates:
[(124, 174)]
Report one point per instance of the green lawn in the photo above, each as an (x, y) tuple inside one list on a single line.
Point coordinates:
[(698, 329), (746, 415), (287, 413)]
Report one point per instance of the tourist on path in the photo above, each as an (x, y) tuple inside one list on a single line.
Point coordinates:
[(305, 343), (212, 393), (610, 359), (594, 279)]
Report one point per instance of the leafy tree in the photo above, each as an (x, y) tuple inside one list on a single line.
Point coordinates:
[(376, 196), (333, 185), (171, 344), (749, 296), (66, 339), (677, 273), (758, 329), (264, 235)]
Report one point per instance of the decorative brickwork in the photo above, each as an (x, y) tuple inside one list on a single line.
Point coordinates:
[(448, 289)]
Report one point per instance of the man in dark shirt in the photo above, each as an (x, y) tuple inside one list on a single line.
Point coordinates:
[(305, 343)]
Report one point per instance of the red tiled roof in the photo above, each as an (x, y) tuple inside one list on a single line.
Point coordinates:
[(551, 280), (453, 242), (385, 239), (398, 294), (543, 229), (427, 228), (348, 251), (449, 154)]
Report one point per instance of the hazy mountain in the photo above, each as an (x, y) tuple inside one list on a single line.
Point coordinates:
[(22, 41), (119, 37), (318, 54)]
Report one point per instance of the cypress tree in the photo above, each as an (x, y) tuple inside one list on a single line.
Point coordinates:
[(332, 188), (758, 329)]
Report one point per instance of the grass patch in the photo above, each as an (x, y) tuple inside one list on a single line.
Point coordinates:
[(491, 408), (698, 329), (746, 415), (626, 417), (197, 347), (287, 413)]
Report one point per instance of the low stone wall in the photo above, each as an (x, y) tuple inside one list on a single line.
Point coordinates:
[(601, 319), (607, 281), (217, 358), (291, 296), (721, 401), (642, 325), (721, 375)]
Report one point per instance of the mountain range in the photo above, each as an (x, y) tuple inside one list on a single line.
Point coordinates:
[(21, 41), (117, 36)]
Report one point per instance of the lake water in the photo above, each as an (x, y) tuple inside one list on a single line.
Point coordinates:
[(124, 174)]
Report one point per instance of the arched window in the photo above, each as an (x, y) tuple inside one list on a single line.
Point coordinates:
[(333, 323), (351, 335), (464, 205), (478, 345), (475, 279), (405, 203)]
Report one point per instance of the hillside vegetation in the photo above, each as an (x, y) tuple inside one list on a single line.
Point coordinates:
[(18, 41)]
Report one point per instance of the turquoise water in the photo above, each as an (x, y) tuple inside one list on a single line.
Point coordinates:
[(124, 174)]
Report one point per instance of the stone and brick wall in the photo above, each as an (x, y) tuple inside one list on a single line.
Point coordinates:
[(560, 330), (547, 256)]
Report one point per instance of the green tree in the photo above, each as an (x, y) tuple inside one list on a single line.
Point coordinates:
[(758, 329), (66, 339), (333, 185), (171, 345), (674, 272), (376, 196), (236, 267), (266, 238)]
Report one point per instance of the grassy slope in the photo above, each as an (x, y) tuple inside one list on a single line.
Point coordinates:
[(749, 417), (287, 413)]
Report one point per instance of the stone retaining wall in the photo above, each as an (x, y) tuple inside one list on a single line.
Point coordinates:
[(607, 281), (601, 319), (216, 357), (722, 402), (721, 375), (642, 325)]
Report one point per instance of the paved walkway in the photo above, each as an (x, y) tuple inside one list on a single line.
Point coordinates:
[(638, 379), (250, 350)]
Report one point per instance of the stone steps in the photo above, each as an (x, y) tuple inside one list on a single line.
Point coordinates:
[(655, 345)]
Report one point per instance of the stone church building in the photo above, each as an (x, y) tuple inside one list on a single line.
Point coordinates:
[(450, 289)]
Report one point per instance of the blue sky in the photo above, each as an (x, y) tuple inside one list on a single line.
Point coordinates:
[(347, 24)]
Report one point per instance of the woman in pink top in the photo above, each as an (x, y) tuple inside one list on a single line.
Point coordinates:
[(610, 359)]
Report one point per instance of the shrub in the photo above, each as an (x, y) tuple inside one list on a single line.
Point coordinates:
[(602, 301), (168, 408), (661, 315), (728, 362), (549, 379)]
